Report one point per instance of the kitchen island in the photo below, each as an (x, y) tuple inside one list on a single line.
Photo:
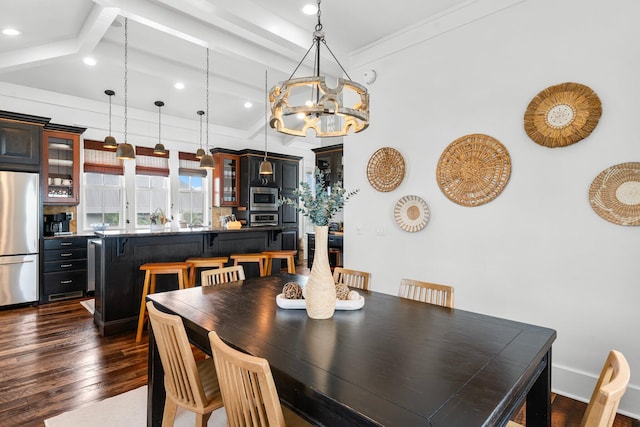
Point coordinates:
[(116, 256)]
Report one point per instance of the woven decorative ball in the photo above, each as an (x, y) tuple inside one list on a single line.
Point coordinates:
[(385, 170), (563, 114), (473, 170), (353, 296), (291, 290), (342, 291)]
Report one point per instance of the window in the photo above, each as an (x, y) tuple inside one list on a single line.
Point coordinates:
[(103, 199), (152, 185), (191, 189), (103, 186), (151, 195)]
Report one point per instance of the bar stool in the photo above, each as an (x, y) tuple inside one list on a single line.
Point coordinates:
[(254, 257), (196, 263), (337, 253), (152, 269), (283, 254)]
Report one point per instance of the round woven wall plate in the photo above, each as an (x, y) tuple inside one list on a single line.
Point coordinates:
[(411, 213), (615, 194), (385, 169), (473, 170), (562, 114)]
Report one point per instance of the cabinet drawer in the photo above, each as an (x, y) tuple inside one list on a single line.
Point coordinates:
[(65, 282), (65, 254), (52, 244), (65, 265)]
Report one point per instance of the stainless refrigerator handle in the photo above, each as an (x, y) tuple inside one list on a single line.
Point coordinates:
[(16, 262)]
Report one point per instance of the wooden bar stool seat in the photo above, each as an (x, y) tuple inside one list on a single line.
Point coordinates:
[(152, 269), (196, 263), (258, 258), (283, 254)]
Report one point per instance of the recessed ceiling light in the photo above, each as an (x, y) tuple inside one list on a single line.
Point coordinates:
[(248, 104), (179, 85), (10, 32), (89, 61), (310, 9)]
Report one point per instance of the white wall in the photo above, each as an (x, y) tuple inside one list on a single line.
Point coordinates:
[(538, 253)]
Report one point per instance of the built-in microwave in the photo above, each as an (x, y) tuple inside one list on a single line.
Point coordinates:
[(263, 199)]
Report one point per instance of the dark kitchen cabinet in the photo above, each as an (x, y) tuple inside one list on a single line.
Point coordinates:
[(61, 165), (20, 140), (64, 269), (334, 244), (329, 160), (286, 178)]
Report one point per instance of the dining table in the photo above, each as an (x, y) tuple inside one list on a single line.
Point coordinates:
[(392, 362)]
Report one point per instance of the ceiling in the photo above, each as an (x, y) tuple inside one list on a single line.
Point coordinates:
[(167, 42)]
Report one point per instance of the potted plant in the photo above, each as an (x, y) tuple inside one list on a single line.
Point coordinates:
[(319, 206)]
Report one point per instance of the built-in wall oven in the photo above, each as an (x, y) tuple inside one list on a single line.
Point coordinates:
[(263, 218), (263, 199)]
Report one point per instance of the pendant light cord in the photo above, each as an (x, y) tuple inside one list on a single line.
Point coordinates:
[(266, 106), (109, 115), (207, 91), (126, 57)]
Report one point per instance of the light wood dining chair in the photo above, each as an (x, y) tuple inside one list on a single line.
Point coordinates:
[(222, 275), (352, 278), (430, 293), (248, 391), (611, 386), (189, 384)]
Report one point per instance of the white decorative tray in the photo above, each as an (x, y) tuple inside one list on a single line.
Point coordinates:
[(293, 304)]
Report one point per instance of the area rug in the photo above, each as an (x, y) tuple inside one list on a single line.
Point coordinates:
[(89, 304), (125, 410)]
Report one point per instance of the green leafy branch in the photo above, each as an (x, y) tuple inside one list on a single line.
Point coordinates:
[(322, 205)]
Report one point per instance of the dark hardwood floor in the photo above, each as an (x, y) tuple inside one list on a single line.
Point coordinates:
[(53, 360)]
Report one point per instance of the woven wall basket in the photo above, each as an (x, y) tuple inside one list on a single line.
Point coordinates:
[(615, 194), (473, 170), (411, 213), (562, 114), (386, 169)]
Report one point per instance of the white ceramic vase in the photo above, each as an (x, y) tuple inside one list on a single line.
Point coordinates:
[(320, 291)]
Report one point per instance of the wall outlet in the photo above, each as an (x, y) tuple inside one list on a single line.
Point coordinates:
[(380, 230)]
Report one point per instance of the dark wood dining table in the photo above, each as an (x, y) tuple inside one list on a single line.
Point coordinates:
[(394, 362)]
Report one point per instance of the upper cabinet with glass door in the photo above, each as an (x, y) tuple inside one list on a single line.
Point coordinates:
[(61, 164), (226, 179)]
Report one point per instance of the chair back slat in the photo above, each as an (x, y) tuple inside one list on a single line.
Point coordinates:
[(248, 390), (352, 278), (222, 275), (430, 293), (181, 376), (608, 391)]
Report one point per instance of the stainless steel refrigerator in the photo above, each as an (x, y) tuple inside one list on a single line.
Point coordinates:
[(19, 234)]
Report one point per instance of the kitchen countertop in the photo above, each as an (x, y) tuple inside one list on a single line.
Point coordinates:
[(182, 231), (167, 232)]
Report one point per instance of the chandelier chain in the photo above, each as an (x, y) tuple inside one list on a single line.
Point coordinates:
[(319, 13)]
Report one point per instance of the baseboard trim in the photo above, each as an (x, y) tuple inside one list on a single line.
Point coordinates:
[(579, 386)]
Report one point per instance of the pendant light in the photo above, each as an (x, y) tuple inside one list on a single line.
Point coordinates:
[(125, 150), (206, 162), (109, 141), (265, 166), (200, 152), (325, 112), (159, 148)]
